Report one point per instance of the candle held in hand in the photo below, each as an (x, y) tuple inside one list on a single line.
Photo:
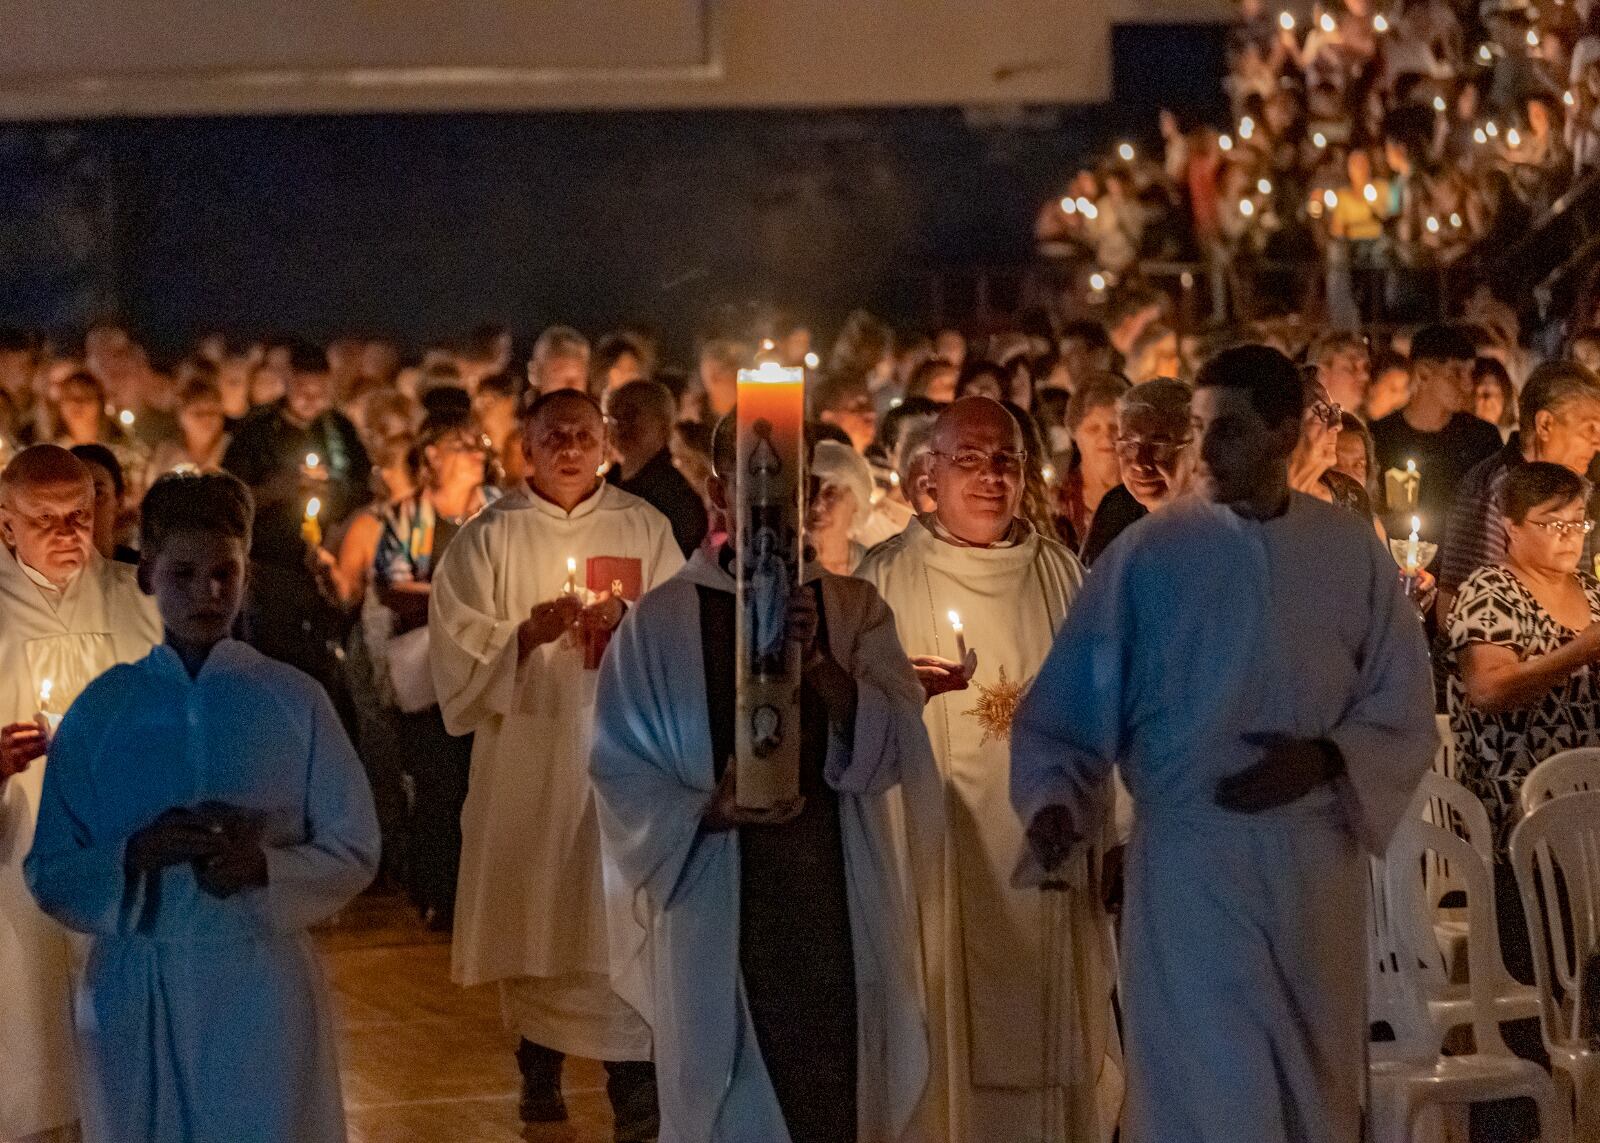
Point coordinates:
[(46, 719), (311, 526), (572, 577), (961, 637), (1413, 559)]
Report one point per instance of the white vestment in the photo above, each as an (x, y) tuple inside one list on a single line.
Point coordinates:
[(654, 775), (531, 908), (1243, 940), (203, 1018), (983, 941), (102, 619)]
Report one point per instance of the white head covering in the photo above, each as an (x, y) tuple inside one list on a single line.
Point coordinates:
[(839, 464)]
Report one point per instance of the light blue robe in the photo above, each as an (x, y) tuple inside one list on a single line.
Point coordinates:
[(1243, 937), (202, 1019)]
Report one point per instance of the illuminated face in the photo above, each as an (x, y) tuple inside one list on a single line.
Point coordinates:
[(1550, 539), (564, 447), (51, 527), (976, 470)]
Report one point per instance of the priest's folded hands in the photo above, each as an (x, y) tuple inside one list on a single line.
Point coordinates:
[(547, 622), (20, 744)]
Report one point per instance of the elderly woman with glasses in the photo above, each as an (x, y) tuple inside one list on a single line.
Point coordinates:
[(1313, 466), (1522, 643)]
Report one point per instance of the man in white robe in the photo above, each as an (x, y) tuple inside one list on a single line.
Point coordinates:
[(984, 942), (1250, 664), (779, 961), (509, 626), (203, 808), (66, 615)]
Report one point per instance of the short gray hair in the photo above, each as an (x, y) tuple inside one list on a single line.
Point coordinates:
[(1166, 397), (1553, 385)]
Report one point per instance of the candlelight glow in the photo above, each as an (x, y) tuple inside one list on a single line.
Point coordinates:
[(812, 361), (1327, 23), (1286, 21), (45, 688), (126, 417), (1125, 152), (312, 460), (1380, 23), (313, 508), (1370, 193)]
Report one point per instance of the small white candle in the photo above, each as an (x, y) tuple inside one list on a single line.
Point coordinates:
[(1413, 561), (311, 526), (572, 576), (961, 638), (46, 719)]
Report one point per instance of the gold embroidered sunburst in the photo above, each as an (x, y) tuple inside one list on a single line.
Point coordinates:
[(997, 706)]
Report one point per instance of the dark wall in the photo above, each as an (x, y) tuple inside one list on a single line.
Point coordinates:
[(419, 227)]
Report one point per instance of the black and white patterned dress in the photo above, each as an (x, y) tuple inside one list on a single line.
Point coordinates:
[(1496, 751)]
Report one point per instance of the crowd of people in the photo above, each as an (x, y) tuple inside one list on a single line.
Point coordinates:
[(279, 620), (483, 570), (1374, 151)]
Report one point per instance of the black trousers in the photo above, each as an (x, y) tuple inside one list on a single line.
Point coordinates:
[(438, 763)]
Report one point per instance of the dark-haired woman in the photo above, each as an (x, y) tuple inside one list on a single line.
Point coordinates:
[(1522, 644)]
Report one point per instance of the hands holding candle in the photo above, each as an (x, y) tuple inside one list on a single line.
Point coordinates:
[(22, 742), (941, 676)]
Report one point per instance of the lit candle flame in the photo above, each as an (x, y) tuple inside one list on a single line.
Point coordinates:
[(812, 361), (45, 688), (1286, 21), (313, 508), (1411, 466), (312, 460), (955, 622), (1416, 526), (126, 417)]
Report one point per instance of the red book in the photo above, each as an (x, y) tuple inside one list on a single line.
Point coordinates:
[(622, 576)]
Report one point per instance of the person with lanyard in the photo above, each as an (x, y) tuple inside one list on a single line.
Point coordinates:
[(416, 531)]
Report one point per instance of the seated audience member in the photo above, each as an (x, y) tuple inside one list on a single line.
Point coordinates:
[(1522, 648), (1560, 424)]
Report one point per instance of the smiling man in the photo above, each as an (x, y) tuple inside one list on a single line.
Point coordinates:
[(516, 638), (1154, 456), (1248, 661), (983, 953), (66, 615)]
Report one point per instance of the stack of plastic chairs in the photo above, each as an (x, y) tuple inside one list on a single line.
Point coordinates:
[(1555, 852), (1569, 772), (1409, 992)]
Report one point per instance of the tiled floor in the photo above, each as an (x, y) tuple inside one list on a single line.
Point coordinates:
[(423, 1060)]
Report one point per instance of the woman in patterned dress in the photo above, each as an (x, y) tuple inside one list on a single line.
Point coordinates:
[(1522, 641)]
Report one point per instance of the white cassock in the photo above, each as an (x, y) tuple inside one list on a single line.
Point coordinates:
[(531, 909), (983, 940), (102, 619), (654, 775), (201, 1018), (1243, 936)]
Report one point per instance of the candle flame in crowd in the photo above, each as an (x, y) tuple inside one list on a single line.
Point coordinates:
[(45, 687), (312, 460), (1125, 151), (1286, 21), (126, 417), (1327, 23), (1380, 23)]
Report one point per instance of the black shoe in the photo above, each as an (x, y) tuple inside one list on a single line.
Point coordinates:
[(541, 1100), (631, 1087)]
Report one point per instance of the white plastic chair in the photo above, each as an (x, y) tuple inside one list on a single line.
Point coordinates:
[(1569, 772), (1407, 976), (1564, 834), (1444, 759), (1451, 806)]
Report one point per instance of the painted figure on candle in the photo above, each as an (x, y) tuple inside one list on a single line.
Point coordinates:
[(767, 597)]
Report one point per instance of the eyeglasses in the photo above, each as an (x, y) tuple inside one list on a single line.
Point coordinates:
[(1326, 412), (1161, 449), (1565, 527), (972, 460)]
